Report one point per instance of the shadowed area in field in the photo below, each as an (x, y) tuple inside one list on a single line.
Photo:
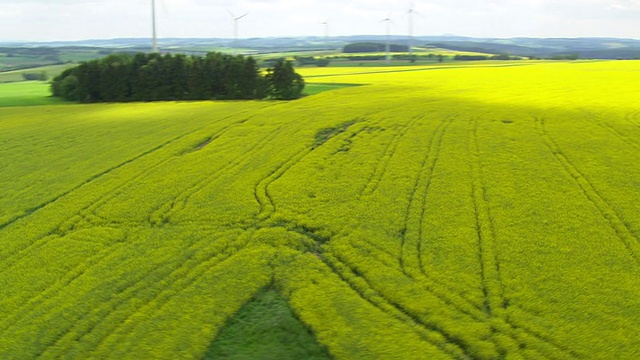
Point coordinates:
[(266, 328)]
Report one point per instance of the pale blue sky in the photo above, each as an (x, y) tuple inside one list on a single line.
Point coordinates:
[(37, 20)]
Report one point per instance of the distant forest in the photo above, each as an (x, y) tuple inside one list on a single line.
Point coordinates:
[(372, 47), (153, 77)]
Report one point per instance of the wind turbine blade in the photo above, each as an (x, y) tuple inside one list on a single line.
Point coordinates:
[(240, 17), (230, 13)]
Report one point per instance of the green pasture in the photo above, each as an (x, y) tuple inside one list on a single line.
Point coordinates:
[(27, 93), (16, 75), (312, 88)]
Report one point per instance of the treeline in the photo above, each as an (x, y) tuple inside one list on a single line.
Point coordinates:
[(312, 61), (485, 57), (153, 77), (35, 76), (373, 47)]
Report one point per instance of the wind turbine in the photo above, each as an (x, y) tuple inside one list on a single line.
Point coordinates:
[(326, 29), (388, 45), (410, 13), (154, 41), (235, 26)]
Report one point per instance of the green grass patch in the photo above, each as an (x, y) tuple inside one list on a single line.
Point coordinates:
[(27, 93), (78, 56), (266, 328), (317, 88), (16, 75)]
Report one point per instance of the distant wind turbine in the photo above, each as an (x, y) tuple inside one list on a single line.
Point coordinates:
[(235, 27), (326, 28), (410, 13), (154, 40), (388, 45)]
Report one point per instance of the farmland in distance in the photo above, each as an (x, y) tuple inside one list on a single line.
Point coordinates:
[(438, 212)]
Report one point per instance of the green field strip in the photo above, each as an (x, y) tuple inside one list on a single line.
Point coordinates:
[(27, 94), (266, 328), (312, 89), (625, 235)]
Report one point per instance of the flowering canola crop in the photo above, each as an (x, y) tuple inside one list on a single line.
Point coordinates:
[(440, 213)]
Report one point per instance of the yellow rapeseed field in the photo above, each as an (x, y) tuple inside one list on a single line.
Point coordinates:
[(460, 212)]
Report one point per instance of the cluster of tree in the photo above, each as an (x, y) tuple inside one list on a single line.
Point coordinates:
[(33, 76), (413, 58), (152, 77), (29, 51), (565, 57), (312, 61), (366, 57), (373, 47), (485, 57)]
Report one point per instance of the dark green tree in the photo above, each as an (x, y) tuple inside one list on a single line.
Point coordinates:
[(284, 82), (115, 78), (151, 77)]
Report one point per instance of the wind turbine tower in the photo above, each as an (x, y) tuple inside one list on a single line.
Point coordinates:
[(235, 27), (326, 29), (154, 41), (410, 13), (388, 44)]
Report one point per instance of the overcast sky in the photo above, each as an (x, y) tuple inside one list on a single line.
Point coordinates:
[(43, 20)]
